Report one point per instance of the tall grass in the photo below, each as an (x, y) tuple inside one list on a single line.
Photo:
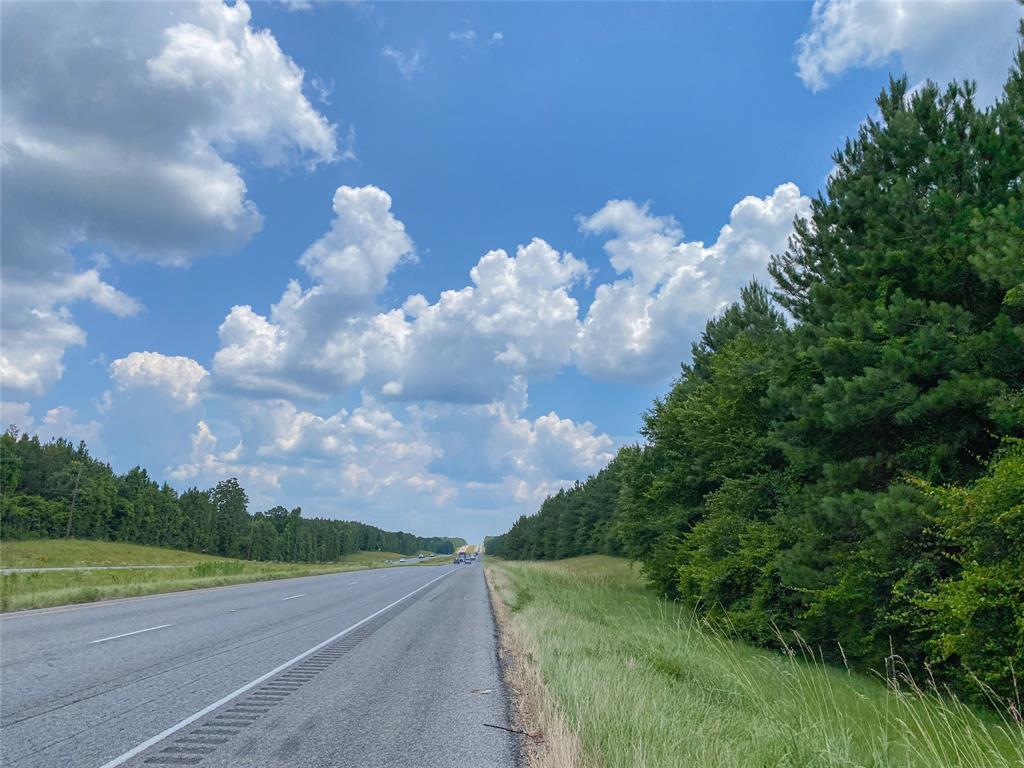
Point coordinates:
[(646, 683)]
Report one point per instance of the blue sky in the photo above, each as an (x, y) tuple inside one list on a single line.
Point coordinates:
[(243, 236)]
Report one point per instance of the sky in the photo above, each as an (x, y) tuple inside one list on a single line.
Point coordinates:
[(414, 264)]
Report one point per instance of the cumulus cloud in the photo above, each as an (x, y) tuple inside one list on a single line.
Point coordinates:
[(355, 455), (640, 327), (306, 346), (36, 323), (207, 465), (941, 40), (61, 421), (549, 447), (365, 242), (493, 446), (180, 378), (392, 461), (515, 320), (118, 123)]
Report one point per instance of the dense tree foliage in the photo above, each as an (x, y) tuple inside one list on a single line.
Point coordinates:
[(56, 489), (854, 477)]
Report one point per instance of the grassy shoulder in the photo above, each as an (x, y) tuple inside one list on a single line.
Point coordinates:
[(172, 571), (642, 683)]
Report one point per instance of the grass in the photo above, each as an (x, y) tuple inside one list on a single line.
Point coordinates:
[(48, 553), (43, 589), (643, 683)]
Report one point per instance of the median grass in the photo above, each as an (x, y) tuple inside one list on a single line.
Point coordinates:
[(177, 571), (641, 682)]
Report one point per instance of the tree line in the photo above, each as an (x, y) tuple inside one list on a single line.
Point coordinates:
[(842, 456), (56, 489)]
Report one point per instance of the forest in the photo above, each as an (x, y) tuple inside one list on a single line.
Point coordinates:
[(55, 489), (842, 455)]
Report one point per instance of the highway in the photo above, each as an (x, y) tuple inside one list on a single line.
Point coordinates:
[(386, 667)]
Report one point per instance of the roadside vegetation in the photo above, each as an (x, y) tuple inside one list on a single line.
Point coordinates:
[(72, 553), (173, 570), (643, 682), (842, 456), (54, 489), (52, 492)]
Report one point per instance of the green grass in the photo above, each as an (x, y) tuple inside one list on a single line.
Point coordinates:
[(45, 553), (643, 683), (43, 589)]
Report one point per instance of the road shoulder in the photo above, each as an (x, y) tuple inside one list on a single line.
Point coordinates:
[(546, 738)]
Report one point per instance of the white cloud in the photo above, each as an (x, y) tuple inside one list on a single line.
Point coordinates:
[(469, 38), (62, 421), (16, 415), (365, 242), (516, 320), (641, 326), (394, 464), (117, 122), (352, 455), (37, 325), (323, 89), (59, 422), (407, 63), (549, 447), (247, 90), (180, 378), (493, 445), (941, 40), (208, 466), (306, 347)]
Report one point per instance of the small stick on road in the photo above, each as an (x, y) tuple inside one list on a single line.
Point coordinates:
[(535, 736)]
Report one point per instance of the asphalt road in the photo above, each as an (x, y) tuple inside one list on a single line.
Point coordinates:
[(387, 667)]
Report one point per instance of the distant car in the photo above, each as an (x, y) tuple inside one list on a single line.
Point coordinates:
[(402, 560)]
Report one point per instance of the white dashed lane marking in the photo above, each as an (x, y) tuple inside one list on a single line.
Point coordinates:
[(128, 634)]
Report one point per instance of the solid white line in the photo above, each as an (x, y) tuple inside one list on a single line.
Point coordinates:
[(292, 597), (126, 634), (352, 582), (121, 759)]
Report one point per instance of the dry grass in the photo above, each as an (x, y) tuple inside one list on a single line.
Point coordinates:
[(549, 741)]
